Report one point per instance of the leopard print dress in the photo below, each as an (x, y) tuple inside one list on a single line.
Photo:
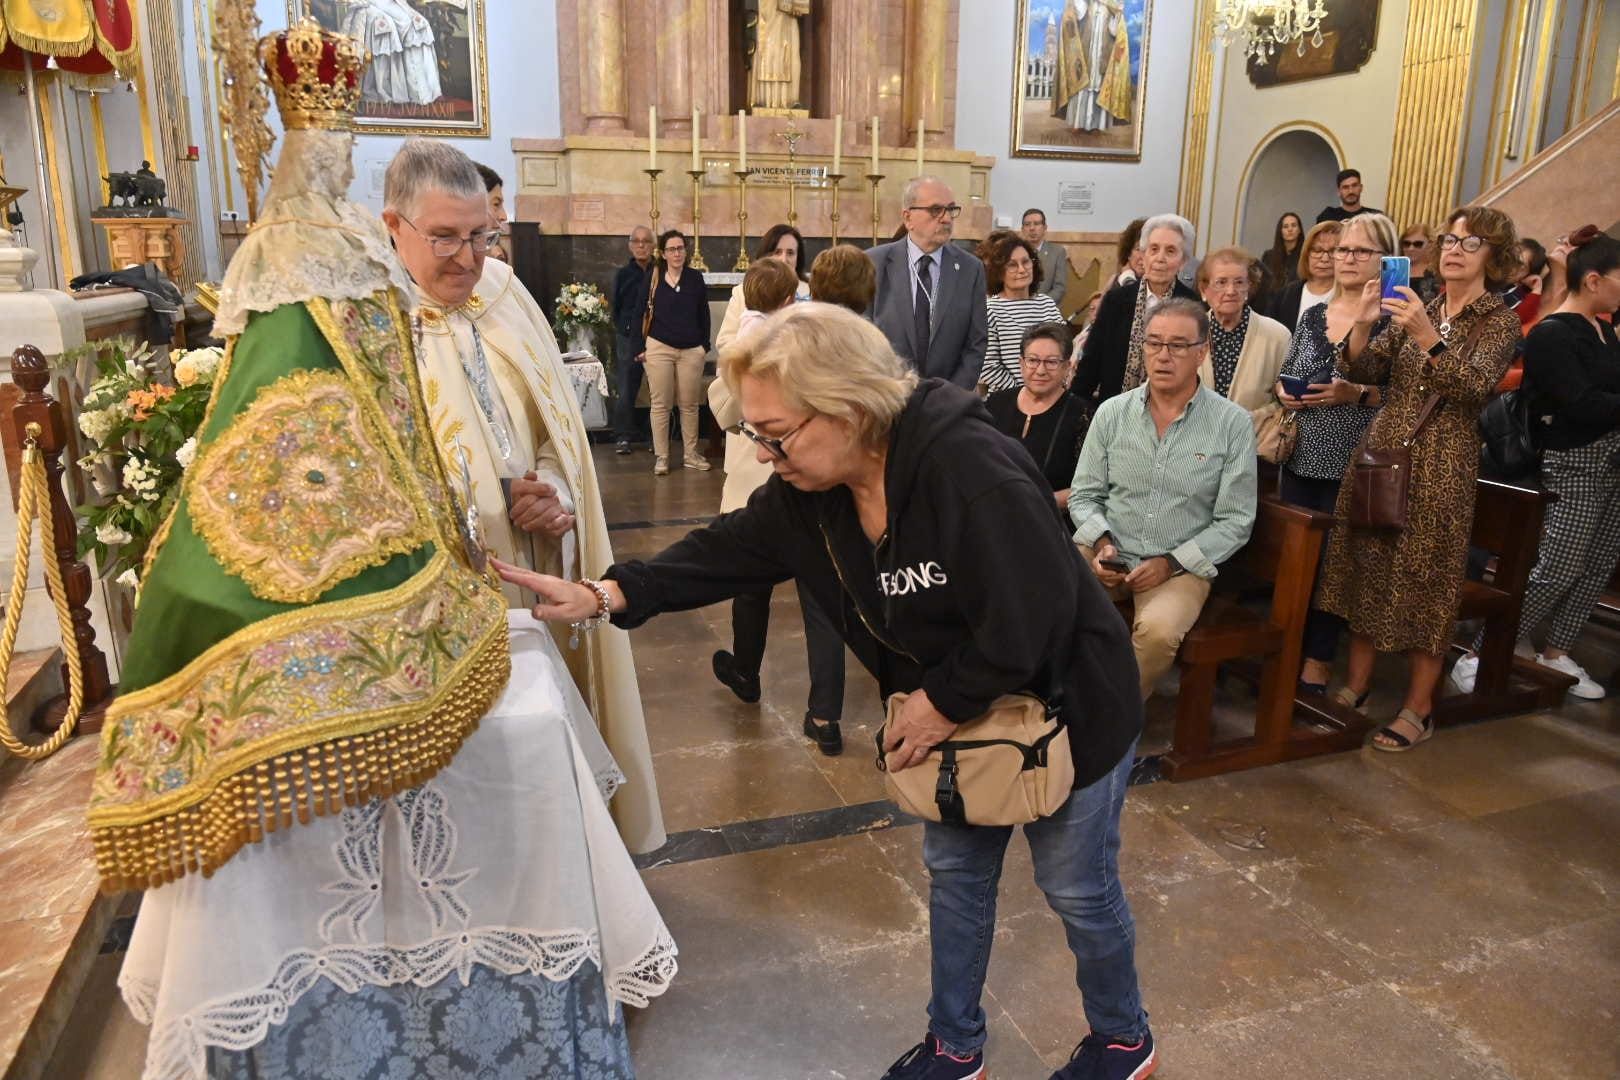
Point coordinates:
[(1400, 589)]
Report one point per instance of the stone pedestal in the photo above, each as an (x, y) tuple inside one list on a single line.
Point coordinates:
[(133, 241)]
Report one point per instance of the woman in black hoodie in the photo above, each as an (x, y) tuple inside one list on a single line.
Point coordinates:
[(931, 539)]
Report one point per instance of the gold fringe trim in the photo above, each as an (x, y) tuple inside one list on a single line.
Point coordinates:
[(48, 47), (313, 781)]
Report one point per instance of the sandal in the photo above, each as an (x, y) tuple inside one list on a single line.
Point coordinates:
[(1399, 743), (1347, 697)]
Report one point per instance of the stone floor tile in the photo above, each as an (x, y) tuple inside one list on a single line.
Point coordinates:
[(1366, 1032), (737, 780), (1580, 829), (1408, 901)]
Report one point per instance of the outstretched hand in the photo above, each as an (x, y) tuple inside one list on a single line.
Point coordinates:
[(560, 600)]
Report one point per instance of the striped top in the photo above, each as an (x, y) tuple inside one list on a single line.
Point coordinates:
[(1190, 494), (1005, 321)]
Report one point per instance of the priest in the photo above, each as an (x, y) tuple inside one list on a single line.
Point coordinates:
[(347, 776), (504, 412)]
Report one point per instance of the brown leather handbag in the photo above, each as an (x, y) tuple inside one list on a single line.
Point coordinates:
[(652, 294), (1381, 480)]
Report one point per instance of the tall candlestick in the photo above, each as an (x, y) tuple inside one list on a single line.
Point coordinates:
[(652, 137), (742, 141), (742, 220), (697, 139), (874, 145), (838, 143), (919, 148)]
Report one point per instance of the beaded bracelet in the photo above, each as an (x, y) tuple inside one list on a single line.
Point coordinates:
[(603, 611)]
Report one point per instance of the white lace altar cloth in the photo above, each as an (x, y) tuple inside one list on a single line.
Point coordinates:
[(507, 859)]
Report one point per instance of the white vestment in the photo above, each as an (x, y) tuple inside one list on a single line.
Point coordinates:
[(502, 405), (404, 68)]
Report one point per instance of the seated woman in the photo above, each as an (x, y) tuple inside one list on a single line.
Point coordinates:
[(1012, 274), (1042, 415), (880, 479)]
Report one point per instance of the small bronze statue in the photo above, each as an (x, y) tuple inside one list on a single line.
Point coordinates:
[(142, 192)]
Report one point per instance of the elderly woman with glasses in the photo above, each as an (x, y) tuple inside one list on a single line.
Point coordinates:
[(1042, 414), (1246, 349), (1398, 589), (895, 503)]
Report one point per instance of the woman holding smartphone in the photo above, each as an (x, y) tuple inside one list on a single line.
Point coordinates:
[(1330, 411)]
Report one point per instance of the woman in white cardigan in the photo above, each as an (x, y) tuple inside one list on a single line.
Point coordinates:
[(1246, 349)]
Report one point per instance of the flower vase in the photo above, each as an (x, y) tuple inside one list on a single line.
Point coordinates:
[(579, 340)]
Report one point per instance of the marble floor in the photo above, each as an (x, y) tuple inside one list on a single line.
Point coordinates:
[(1449, 913)]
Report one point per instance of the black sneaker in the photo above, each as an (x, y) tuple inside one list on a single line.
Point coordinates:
[(622, 447), (828, 739), (746, 687), (926, 1061), (1100, 1058)]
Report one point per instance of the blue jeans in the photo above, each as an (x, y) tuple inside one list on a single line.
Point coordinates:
[(1076, 855), (629, 380)]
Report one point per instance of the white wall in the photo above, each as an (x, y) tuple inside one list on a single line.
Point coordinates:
[(1294, 172), (986, 56), (1354, 111)]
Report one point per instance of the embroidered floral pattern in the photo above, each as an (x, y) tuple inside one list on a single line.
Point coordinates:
[(334, 668), (298, 493)]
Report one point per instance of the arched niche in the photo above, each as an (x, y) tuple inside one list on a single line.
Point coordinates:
[(1294, 171)]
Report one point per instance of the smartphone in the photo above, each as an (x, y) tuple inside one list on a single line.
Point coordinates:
[(1395, 270), (1295, 386), (1118, 566)]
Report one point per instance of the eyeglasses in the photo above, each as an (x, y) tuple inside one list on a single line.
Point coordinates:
[(444, 247), (936, 211), (1178, 349), (1469, 244), (773, 447), (1221, 285), (1321, 253), (673, 248), (1354, 254), (1415, 245), (1044, 361)]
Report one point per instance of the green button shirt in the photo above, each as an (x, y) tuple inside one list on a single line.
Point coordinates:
[(1190, 495)]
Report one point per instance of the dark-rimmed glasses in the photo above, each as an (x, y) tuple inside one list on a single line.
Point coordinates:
[(936, 211), (1178, 349), (1469, 244), (445, 247), (773, 447), (1354, 254), (1043, 361), (1416, 245)]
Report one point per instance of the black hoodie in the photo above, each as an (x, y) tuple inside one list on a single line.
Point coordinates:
[(974, 587)]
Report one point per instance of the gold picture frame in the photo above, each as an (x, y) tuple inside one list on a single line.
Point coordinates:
[(1099, 50), (396, 98)]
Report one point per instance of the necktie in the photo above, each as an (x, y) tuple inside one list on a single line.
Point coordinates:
[(922, 312)]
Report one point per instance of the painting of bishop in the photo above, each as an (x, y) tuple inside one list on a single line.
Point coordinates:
[(1081, 70)]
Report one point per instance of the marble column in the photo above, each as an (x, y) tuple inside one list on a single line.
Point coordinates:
[(674, 46), (926, 25), (847, 53), (604, 100)]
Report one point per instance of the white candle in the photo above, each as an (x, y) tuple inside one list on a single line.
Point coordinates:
[(742, 140), (838, 143), (919, 148), (697, 138), (652, 136), (874, 146)]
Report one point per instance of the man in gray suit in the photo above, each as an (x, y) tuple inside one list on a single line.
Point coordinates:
[(1054, 257), (930, 300)]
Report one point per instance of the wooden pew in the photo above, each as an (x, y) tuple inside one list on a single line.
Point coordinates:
[(1283, 551)]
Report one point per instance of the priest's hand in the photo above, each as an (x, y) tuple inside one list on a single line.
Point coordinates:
[(560, 600), (916, 730), (537, 508)]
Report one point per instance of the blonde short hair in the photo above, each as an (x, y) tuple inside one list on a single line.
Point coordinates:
[(828, 360), (1377, 228)]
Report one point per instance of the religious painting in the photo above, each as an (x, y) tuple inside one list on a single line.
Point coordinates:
[(1079, 78), (1349, 32), (427, 74)]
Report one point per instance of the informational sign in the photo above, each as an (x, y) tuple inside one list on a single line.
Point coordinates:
[(1076, 196)]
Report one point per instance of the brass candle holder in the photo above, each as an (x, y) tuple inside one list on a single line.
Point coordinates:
[(837, 179), (875, 179), (652, 215), (696, 261), (742, 219)]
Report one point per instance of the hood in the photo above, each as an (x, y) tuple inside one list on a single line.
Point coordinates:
[(936, 407)]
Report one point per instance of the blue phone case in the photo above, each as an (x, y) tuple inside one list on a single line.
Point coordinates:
[(1394, 270), (1295, 386)]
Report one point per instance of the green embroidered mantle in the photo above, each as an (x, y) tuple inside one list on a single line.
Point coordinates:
[(310, 633)]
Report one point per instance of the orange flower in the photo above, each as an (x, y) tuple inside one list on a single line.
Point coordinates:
[(144, 401)]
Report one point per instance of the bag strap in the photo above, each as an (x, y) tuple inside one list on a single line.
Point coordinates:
[(1470, 343), (1051, 444), (1429, 405)]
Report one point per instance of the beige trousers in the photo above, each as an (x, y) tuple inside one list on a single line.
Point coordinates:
[(1161, 617), (674, 377)]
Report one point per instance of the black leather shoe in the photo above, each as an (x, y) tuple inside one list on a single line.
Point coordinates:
[(746, 687), (827, 737), (622, 446)]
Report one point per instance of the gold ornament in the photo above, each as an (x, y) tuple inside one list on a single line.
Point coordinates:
[(243, 99), (308, 100)]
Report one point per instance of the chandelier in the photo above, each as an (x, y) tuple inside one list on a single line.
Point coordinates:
[(1267, 25)]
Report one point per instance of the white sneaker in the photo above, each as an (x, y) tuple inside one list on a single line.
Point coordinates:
[(1584, 686), (1464, 672)]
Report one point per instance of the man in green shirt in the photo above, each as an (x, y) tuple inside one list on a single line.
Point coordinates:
[(1165, 488)]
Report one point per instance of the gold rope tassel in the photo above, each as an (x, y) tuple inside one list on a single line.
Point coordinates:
[(35, 500)]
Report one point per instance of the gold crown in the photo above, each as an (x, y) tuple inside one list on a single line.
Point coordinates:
[(315, 75)]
